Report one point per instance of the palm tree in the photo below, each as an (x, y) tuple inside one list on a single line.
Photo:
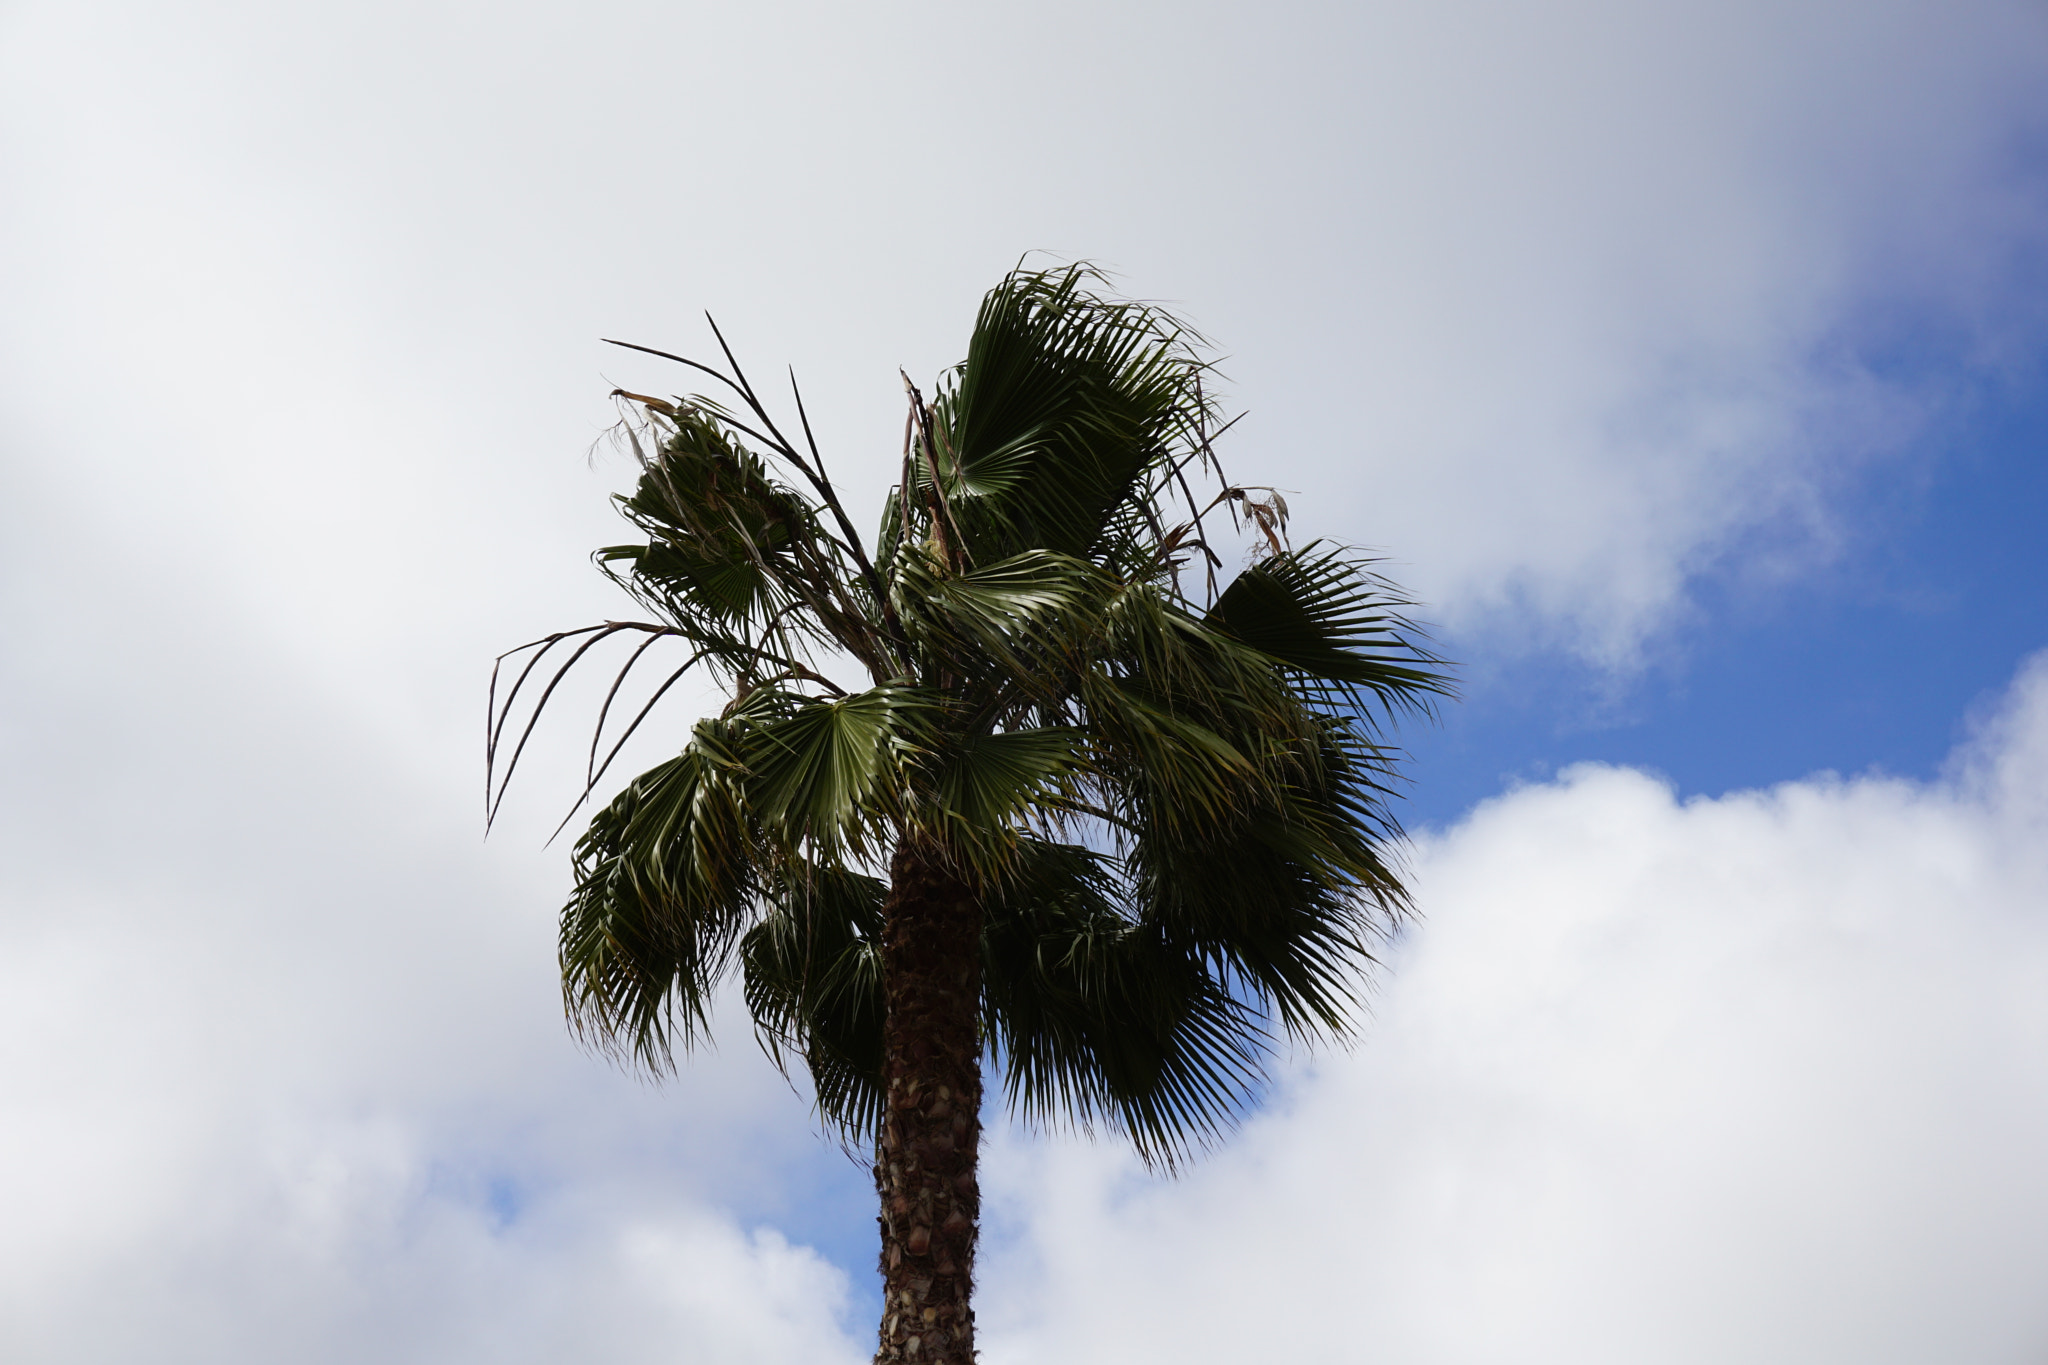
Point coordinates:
[(1022, 789)]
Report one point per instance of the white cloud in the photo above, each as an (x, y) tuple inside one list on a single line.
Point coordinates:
[(285, 1074), (1626, 287), (332, 1119), (1553, 303), (1757, 1078), (212, 1153), (1558, 304)]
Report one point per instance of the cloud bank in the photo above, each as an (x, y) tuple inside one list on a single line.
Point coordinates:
[(1753, 1078)]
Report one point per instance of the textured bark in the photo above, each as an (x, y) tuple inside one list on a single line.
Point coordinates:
[(931, 1123)]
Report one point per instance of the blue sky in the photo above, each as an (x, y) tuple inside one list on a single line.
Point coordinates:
[(1685, 360), (1872, 660)]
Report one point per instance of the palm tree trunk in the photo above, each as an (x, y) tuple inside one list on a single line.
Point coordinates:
[(931, 1121)]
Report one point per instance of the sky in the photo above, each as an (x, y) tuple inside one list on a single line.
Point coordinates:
[(1683, 361)]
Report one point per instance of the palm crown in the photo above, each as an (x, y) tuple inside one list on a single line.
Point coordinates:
[(1164, 801)]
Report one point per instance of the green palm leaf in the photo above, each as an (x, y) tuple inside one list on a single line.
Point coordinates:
[(1065, 403), (813, 973), (1101, 1020), (1134, 841), (665, 877), (827, 772), (1335, 625)]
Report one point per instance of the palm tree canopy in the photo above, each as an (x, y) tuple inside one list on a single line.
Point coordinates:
[(1170, 799)]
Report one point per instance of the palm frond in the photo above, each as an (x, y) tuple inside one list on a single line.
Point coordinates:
[(1100, 1021), (665, 878), (813, 974), (1174, 808), (736, 559), (1046, 433), (983, 788), (828, 773), (1011, 628), (1287, 899), (1336, 626)]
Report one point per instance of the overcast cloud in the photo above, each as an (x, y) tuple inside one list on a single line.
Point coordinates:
[(1552, 302), (1564, 306)]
